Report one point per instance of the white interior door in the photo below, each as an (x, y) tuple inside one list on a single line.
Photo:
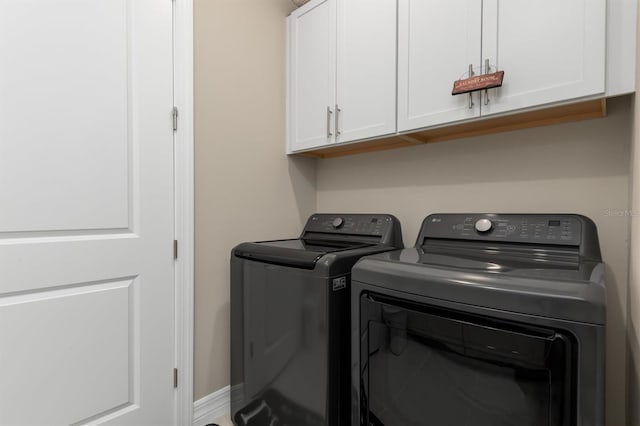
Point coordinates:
[(86, 212)]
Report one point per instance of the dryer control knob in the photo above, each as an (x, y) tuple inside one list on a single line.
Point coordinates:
[(338, 222), (484, 225)]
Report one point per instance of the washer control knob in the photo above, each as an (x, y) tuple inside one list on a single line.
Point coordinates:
[(337, 222), (484, 225)]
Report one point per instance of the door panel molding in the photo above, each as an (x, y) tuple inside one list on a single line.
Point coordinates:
[(85, 67), (111, 310)]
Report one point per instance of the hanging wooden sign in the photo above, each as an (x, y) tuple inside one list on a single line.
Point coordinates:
[(478, 82)]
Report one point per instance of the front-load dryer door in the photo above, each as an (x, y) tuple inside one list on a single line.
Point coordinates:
[(422, 365)]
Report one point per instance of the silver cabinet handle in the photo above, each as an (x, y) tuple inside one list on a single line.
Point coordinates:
[(338, 111), (487, 70), (329, 112), (471, 93)]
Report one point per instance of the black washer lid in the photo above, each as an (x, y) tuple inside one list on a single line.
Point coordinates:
[(326, 233), (299, 253)]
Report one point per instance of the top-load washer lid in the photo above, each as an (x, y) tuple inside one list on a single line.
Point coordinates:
[(546, 265), (327, 234), (298, 253)]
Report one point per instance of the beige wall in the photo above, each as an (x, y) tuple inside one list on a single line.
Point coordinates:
[(242, 174), (246, 188), (578, 167)]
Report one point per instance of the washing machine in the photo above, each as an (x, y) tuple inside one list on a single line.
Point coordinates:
[(490, 320), (290, 320)]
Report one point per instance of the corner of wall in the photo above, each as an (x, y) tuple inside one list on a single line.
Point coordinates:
[(304, 177), (633, 308), (242, 172)]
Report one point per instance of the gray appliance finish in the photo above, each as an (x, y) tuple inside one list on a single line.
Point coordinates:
[(290, 320), (491, 319)]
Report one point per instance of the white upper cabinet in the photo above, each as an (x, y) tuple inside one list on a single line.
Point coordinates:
[(550, 51), (363, 69), (621, 46), (311, 78), (366, 83), (437, 42), (342, 72)]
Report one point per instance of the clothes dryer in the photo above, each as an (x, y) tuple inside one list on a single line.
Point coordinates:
[(491, 319)]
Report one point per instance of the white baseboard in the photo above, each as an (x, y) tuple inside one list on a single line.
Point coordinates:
[(213, 406)]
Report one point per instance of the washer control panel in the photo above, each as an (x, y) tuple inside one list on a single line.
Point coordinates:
[(521, 228), (355, 224)]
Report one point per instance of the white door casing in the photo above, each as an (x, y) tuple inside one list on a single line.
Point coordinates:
[(184, 208), (86, 212)]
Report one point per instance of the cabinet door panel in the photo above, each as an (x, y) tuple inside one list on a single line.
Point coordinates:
[(312, 70), (550, 51), (437, 40), (366, 84)]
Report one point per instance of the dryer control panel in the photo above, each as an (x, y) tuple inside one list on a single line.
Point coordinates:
[(543, 229)]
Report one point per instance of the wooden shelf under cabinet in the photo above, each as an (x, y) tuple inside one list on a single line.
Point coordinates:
[(543, 117)]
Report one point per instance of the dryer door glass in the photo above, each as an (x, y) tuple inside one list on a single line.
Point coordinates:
[(422, 365)]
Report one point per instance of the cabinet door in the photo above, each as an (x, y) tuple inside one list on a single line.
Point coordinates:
[(311, 78), (550, 51), (366, 55), (437, 40)]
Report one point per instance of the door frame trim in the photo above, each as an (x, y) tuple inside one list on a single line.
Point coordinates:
[(184, 209)]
